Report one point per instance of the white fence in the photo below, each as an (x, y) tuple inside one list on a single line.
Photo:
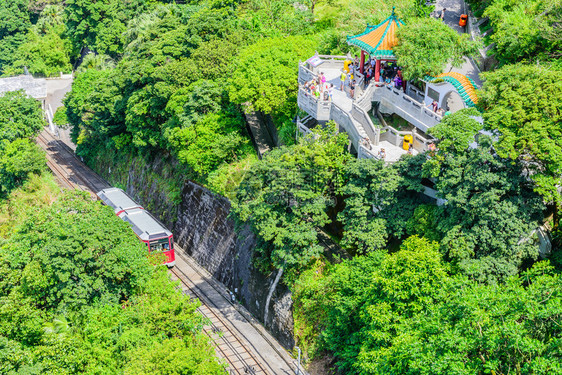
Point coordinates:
[(319, 109)]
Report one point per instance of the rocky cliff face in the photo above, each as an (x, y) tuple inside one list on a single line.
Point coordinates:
[(206, 232), (202, 227)]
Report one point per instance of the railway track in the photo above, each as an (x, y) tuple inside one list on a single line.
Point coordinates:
[(68, 169), (229, 345), (241, 356)]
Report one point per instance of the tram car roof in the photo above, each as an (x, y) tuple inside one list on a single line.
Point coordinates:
[(117, 199), (144, 225)]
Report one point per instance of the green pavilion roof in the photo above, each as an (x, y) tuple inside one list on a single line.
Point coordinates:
[(378, 40)]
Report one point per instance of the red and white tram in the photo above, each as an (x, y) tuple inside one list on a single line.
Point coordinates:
[(147, 228)]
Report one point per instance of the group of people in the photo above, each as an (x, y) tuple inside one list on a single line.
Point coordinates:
[(389, 73), (434, 106), (320, 88), (348, 78)]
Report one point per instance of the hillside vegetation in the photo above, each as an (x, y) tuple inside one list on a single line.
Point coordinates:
[(76, 298), (415, 288)]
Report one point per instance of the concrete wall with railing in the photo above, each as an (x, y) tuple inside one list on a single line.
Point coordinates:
[(345, 121), (396, 101), (319, 109)]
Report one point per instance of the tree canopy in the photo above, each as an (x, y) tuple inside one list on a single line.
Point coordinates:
[(286, 197), (426, 45), (77, 299), (20, 121), (265, 73), (524, 103), (405, 313)]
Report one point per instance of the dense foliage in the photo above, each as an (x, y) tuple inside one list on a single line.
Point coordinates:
[(425, 46), (166, 94), (79, 300), (15, 22), (287, 195), (20, 121), (524, 103), (450, 284), (405, 313), (525, 30)]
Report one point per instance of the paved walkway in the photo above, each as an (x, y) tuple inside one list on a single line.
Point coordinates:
[(56, 90), (454, 10)]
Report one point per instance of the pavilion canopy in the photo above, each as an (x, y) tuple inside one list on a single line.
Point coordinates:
[(380, 39)]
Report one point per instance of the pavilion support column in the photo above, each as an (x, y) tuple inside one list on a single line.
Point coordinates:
[(362, 62), (377, 70)]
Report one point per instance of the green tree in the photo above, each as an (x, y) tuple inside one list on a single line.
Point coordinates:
[(370, 187), (265, 73), (404, 313), (478, 329), (100, 25), (79, 266), (523, 30), (426, 45), (399, 208), (15, 23), (277, 18), (20, 116), (524, 103), (79, 300), (490, 212), (18, 160), (43, 54), (286, 197), (457, 131)]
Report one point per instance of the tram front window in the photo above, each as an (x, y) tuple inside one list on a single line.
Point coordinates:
[(160, 245)]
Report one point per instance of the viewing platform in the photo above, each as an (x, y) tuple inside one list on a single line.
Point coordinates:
[(359, 118), (360, 114)]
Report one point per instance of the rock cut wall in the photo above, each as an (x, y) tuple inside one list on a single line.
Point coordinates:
[(201, 223), (205, 230)]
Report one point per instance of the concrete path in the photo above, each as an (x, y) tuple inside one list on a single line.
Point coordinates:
[(56, 91), (454, 10)]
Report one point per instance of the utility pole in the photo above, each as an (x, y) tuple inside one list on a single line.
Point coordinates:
[(299, 360)]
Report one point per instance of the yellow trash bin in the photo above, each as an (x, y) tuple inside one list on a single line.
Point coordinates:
[(408, 140), (346, 65)]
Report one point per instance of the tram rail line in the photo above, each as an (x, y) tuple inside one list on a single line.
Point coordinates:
[(241, 356), (220, 289), (67, 167), (226, 339)]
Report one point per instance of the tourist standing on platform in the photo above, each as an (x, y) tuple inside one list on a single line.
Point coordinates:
[(322, 79), (442, 16), (368, 76), (398, 82), (351, 88), (343, 77), (434, 106)]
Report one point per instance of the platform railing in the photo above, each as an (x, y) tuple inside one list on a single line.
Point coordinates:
[(406, 107)]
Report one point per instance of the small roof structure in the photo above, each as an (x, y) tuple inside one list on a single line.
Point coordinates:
[(378, 40), (463, 84), (117, 199), (144, 225), (34, 87)]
